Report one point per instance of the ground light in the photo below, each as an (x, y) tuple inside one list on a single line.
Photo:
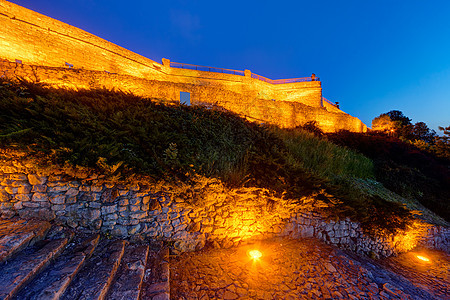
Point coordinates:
[(255, 254), (423, 258)]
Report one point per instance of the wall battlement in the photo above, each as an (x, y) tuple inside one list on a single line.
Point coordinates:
[(58, 54)]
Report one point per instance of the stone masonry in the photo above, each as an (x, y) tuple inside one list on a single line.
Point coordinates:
[(189, 217)]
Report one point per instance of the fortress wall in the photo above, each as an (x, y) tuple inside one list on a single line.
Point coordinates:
[(241, 101), (330, 107), (308, 92), (37, 39)]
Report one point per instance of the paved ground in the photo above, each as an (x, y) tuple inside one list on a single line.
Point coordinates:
[(305, 269)]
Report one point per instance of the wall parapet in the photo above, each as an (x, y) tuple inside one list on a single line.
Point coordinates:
[(239, 73)]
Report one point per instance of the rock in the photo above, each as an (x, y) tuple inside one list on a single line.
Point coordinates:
[(123, 202), (4, 196), (17, 177), (134, 208), (34, 179), (11, 190), (229, 295), (119, 231), (109, 195), (57, 199), (330, 267), (134, 229), (138, 215), (24, 189), (23, 197), (72, 192), (155, 205), (109, 209)]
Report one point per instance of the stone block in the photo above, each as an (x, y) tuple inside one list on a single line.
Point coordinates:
[(18, 176), (110, 217), (135, 201), (123, 202), (109, 195), (24, 189), (39, 188), (109, 209), (95, 205), (18, 205), (138, 215), (72, 199), (155, 206), (134, 229), (181, 227), (4, 196), (39, 197), (84, 188), (34, 179), (119, 230), (176, 222), (57, 199), (58, 207), (23, 197), (11, 190), (96, 188), (134, 208), (71, 192), (93, 214), (6, 205), (62, 188)]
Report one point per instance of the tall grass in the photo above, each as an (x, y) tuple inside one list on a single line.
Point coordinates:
[(324, 158), (131, 135)]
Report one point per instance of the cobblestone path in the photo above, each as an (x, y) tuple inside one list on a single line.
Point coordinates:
[(305, 269)]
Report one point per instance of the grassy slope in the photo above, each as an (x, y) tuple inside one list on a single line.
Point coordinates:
[(124, 134)]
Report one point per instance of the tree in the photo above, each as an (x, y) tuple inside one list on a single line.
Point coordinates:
[(442, 143), (383, 123), (420, 131), (397, 115), (398, 124)]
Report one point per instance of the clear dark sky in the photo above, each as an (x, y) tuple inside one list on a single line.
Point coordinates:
[(372, 56)]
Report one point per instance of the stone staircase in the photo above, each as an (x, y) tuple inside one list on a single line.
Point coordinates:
[(41, 261)]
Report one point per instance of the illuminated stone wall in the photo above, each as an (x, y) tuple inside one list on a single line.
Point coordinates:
[(281, 113), (188, 216), (37, 40)]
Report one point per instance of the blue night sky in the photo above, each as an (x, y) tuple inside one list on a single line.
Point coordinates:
[(372, 56)]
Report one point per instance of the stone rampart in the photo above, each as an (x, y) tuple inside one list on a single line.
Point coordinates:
[(282, 113), (77, 59), (187, 216)]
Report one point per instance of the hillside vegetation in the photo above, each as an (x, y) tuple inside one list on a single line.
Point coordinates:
[(120, 135)]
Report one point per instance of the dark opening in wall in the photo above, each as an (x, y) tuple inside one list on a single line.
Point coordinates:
[(185, 98)]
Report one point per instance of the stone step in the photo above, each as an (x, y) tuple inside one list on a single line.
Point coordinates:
[(17, 272), (16, 234), (130, 275), (95, 278), (54, 280), (156, 281)]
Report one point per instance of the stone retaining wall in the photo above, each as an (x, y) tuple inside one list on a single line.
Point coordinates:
[(187, 216)]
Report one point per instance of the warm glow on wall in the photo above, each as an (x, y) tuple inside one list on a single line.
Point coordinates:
[(408, 239), (255, 254)]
